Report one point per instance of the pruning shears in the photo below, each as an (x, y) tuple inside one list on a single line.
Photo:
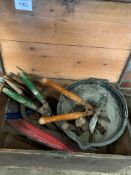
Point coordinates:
[(17, 94)]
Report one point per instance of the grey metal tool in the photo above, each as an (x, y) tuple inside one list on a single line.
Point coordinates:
[(94, 119), (31, 86)]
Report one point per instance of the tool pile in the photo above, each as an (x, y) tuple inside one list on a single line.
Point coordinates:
[(86, 112)]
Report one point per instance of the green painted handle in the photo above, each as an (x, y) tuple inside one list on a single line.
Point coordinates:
[(24, 77), (20, 99)]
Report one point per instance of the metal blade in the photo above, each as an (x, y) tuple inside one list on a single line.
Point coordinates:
[(94, 119)]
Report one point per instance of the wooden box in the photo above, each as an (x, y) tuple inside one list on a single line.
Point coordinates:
[(93, 39)]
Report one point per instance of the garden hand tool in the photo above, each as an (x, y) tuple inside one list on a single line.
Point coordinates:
[(94, 119), (21, 99), (75, 98), (43, 136), (69, 94), (70, 116), (27, 81), (13, 85), (17, 94), (44, 110)]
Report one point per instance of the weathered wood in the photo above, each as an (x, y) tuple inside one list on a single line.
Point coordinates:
[(84, 10), (61, 61), (66, 31), (94, 41), (96, 21), (42, 162)]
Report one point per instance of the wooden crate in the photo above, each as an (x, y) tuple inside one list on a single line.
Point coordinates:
[(92, 41)]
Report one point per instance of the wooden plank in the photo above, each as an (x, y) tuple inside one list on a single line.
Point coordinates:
[(93, 41), (89, 33), (59, 61), (60, 28), (48, 162), (84, 9)]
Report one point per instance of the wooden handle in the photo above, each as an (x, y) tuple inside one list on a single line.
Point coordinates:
[(68, 94), (17, 89), (60, 89), (71, 116)]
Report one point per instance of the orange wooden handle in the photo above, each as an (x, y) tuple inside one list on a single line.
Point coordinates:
[(63, 91), (71, 116), (68, 94)]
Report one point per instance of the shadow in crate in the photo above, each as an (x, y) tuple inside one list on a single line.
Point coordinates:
[(12, 139)]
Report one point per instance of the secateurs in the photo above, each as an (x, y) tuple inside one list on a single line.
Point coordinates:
[(27, 94), (79, 117), (16, 93), (88, 109), (21, 94)]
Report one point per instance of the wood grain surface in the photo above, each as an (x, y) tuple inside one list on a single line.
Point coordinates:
[(92, 41)]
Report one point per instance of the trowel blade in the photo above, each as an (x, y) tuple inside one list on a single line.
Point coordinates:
[(94, 119), (92, 123)]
